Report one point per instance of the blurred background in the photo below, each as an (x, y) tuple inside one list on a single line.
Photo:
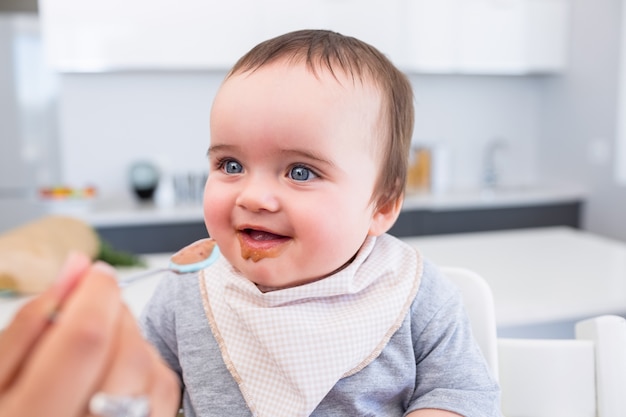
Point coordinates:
[(518, 107)]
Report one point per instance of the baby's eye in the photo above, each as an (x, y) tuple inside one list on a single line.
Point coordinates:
[(231, 166), (301, 173)]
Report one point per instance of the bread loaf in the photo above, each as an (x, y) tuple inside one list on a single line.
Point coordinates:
[(31, 256)]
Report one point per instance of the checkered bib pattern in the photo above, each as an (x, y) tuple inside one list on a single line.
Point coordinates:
[(287, 348)]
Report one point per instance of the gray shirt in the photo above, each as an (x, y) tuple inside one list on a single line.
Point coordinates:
[(432, 361)]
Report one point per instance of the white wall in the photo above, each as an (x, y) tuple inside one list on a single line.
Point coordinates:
[(108, 120), (463, 113), (580, 116)]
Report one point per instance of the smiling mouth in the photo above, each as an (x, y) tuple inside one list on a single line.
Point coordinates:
[(259, 244), (261, 236)]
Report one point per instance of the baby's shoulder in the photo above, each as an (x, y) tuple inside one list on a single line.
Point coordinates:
[(436, 292), (434, 285)]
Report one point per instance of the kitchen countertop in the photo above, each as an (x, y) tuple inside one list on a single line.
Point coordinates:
[(495, 198), (130, 213), (539, 275), (536, 275)]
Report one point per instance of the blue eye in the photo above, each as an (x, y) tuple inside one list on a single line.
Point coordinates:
[(232, 167), (301, 173)]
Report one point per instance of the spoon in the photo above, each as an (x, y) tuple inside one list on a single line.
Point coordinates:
[(192, 258)]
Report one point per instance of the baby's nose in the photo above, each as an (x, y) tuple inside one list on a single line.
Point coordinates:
[(258, 195)]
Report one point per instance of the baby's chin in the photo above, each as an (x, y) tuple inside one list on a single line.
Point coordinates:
[(267, 273), (267, 282), (254, 272), (266, 278), (273, 287)]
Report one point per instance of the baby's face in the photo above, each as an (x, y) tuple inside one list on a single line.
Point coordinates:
[(293, 164)]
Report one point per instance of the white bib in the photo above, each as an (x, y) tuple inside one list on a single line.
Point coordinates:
[(287, 348)]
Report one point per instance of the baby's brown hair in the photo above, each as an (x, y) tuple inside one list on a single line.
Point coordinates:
[(331, 50)]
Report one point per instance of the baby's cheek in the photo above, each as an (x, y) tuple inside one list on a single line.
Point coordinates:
[(214, 215), (212, 220)]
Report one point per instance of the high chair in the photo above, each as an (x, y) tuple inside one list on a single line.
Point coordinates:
[(478, 300), (582, 377)]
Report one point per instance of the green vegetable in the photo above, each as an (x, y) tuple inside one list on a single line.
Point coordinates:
[(116, 257)]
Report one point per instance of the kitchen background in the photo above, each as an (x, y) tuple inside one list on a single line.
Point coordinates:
[(86, 120)]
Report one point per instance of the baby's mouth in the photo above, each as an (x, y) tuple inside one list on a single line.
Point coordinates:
[(261, 235), (258, 244)]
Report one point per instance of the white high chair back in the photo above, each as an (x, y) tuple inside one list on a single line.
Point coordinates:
[(478, 300), (582, 377)]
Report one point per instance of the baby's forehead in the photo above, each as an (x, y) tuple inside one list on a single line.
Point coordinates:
[(360, 87), (359, 95), (346, 74)]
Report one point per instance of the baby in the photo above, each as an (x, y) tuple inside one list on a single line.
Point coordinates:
[(312, 309)]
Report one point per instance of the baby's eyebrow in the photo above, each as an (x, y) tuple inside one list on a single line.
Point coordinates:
[(293, 153), (220, 148), (307, 154)]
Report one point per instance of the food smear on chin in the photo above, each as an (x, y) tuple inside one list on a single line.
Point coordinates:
[(257, 245), (198, 251)]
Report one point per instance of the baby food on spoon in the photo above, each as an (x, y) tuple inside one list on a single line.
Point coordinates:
[(195, 256)]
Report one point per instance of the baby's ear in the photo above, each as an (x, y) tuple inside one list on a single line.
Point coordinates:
[(385, 216)]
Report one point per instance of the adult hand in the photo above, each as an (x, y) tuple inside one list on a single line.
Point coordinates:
[(77, 339)]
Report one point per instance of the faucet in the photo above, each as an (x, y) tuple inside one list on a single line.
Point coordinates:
[(491, 171)]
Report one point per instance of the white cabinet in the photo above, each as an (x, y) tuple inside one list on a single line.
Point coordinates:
[(487, 36), (377, 22), (27, 109), (464, 36), (103, 35)]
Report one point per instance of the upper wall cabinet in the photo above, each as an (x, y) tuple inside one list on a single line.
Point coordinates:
[(105, 35), (378, 22), (487, 36), (440, 36)]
